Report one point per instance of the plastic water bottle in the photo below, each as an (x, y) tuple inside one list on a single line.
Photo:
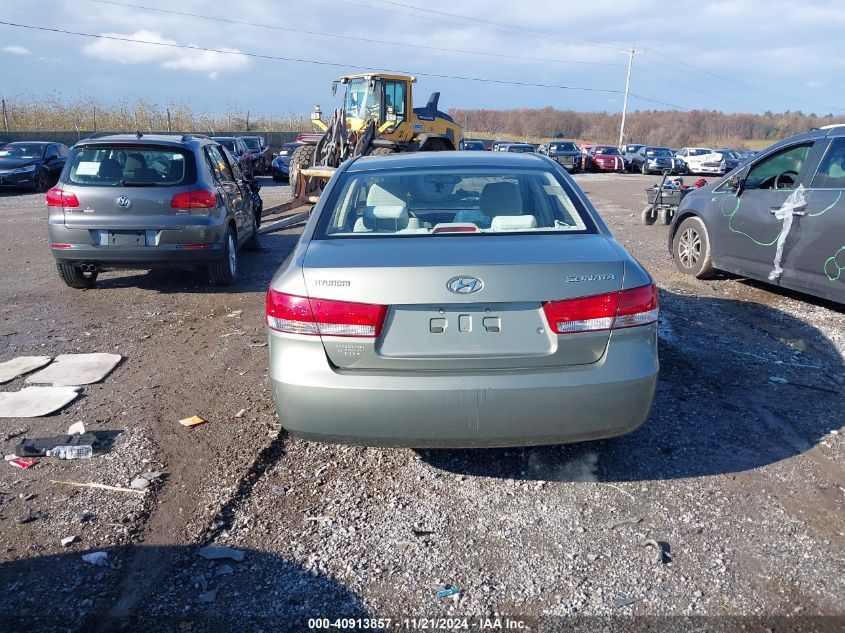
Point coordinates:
[(82, 451)]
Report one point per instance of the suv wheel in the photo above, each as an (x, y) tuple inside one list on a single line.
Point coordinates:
[(75, 277), (691, 249), (225, 272), (254, 243)]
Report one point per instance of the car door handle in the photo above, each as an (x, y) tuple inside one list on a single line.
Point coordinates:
[(774, 210)]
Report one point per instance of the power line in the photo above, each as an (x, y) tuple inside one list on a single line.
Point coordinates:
[(315, 62), (505, 28), (743, 84), (347, 37), (596, 42), (688, 87)]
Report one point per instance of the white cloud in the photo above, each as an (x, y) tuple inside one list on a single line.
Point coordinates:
[(123, 52), (213, 75), (16, 50)]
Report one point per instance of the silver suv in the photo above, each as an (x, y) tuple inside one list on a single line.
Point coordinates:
[(138, 201)]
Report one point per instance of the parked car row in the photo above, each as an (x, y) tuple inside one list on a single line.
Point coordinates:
[(252, 152), (633, 157)]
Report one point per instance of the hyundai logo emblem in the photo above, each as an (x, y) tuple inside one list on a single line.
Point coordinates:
[(464, 285), (123, 202)]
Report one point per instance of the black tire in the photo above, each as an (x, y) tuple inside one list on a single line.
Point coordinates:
[(42, 181), (74, 276), (254, 243), (301, 158), (649, 215), (691, 249), (644, 169), (225, 272), (665, 215)]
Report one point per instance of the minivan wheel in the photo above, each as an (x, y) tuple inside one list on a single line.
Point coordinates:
[(691, 249), (225, 272), (75, 277)]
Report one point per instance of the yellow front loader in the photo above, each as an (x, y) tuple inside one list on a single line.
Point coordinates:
[(377, 117)]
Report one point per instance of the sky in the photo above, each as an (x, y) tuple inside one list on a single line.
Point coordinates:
[(737, 56)]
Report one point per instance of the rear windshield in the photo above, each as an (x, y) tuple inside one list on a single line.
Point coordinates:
[(128, 166), (252, 143), (22, 150), (700, 151), (658, 151), (477, 144), (563, 147), (603, 149), (228, 143), (520, 148), (444, 202)]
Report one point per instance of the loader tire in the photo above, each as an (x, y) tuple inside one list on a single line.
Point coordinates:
[(301, 159), (382, 151)]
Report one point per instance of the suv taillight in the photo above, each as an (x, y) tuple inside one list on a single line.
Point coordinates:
[(611, 311), (300, 315), (58, 197), (200, 199)]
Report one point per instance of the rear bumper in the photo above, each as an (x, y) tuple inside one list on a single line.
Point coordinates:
[(517, 408), (189, 246)]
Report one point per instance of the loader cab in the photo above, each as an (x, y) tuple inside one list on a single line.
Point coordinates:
[(385, 98)]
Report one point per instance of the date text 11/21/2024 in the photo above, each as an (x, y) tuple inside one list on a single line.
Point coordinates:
[(420, 624)]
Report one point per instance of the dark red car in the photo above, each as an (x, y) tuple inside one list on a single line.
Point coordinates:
[(604, 158)]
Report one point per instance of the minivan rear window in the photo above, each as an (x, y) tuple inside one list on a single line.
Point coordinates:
[(130, 166), (434, 202)]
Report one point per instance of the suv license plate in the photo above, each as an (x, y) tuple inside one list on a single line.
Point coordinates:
[(127, 238)]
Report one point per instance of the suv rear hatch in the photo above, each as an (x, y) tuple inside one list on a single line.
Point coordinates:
[(125, 190)]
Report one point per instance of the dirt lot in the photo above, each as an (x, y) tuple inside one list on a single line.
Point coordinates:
[(729, 501)]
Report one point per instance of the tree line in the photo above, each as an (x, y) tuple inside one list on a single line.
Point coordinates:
[(671, 128)]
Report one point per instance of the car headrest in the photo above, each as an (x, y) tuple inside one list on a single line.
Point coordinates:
[(110, 169), (513, 223), (384, 205), (500, 198), (135, 161)]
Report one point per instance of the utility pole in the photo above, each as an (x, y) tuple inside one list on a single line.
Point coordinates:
[(630, 55), (169, 126), (5, 120)]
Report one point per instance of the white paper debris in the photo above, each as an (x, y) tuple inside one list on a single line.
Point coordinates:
[(76, 369), (794, 201), (33, 402), (21, 365), (77, 428)]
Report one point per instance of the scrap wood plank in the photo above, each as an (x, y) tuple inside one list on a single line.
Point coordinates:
[(285, 222)]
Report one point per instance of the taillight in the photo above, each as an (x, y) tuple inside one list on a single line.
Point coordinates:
[(300, 315), (457, 229), (58, 197), (200, 199), (611, 311)]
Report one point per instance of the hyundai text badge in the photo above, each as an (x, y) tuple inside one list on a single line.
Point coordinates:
[(123, 202), (464, 285)]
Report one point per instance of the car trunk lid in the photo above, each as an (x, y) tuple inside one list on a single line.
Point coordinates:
[(430, 327)]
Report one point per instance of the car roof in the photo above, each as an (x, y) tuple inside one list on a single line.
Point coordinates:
[(415, 160), (177, 140), (32, 143)]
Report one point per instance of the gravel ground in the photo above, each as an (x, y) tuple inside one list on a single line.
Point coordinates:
[(728, 501)]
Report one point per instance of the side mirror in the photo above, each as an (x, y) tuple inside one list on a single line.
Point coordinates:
[(735, 184)]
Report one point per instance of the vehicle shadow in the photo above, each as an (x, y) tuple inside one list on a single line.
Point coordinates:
[(262, 592), (722, 405), (256, 268)]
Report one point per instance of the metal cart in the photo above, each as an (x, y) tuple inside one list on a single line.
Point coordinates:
[(662, 202)]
